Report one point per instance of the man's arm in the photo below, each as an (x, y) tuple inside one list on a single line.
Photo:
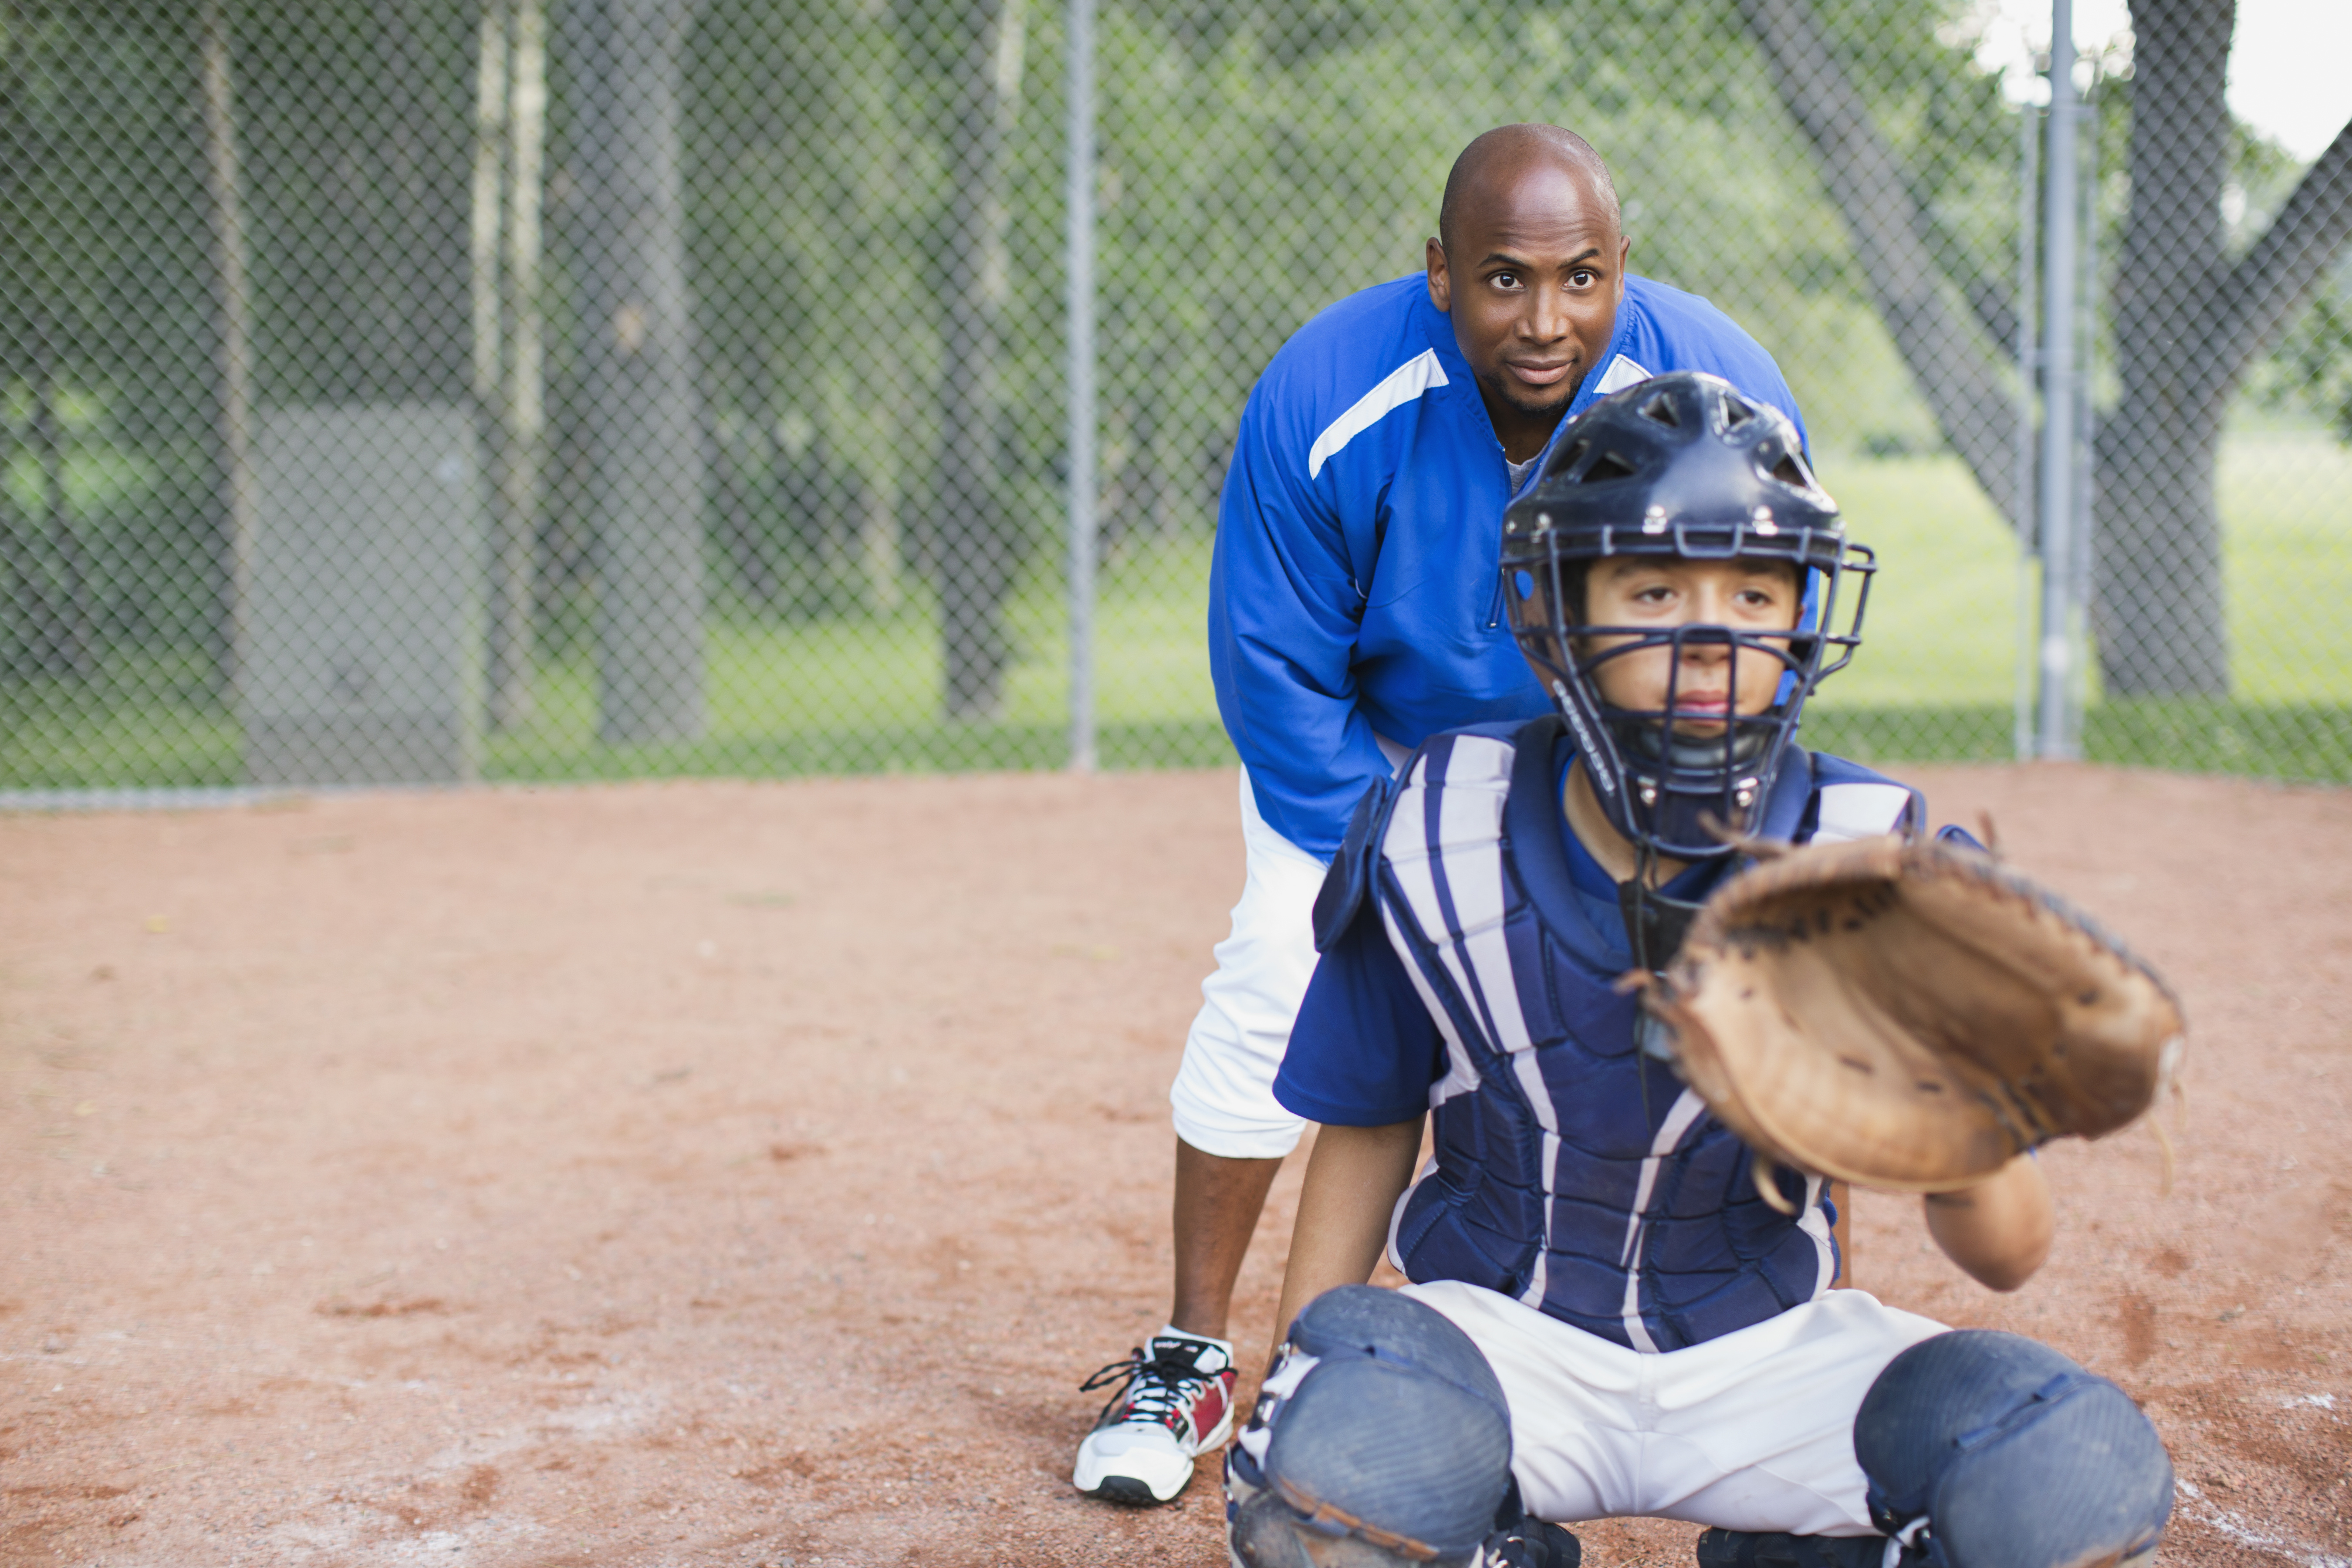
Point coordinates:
[(1284, 605), (1354, 1178), (1998, 1230)]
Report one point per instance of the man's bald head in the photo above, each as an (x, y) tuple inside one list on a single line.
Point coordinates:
[(1530, 262), (1495, 161)]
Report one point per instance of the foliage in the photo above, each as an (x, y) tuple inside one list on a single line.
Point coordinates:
[(2310, 371)]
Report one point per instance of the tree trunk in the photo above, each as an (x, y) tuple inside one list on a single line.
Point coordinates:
[(977, 551), (510, 113), (526, 391), (2187, 324), (414, 345), (2158, 549), (1960, 377), (232, 341), (68, 646), (646, 469), (29, 608)]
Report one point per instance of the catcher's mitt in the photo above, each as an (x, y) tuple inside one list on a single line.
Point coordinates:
[(1909, 1016)]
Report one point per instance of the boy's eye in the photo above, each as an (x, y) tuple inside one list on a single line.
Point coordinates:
[(1507, 279)]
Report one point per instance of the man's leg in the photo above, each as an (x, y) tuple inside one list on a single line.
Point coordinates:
[(1218, 1201), (1173, 1395)]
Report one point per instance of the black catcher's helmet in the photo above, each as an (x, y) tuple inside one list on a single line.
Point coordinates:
[(1681, 466)]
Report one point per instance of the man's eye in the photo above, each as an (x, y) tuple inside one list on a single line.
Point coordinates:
[(1580, 279)]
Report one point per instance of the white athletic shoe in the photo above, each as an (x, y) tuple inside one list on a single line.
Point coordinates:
[(1174, 1400)]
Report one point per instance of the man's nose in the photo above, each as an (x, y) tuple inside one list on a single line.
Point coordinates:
[(1547, 317)]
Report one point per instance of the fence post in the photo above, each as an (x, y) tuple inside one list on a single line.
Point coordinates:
[(2058, 736), (1080, 92), (2029, 544), (2085, 517)]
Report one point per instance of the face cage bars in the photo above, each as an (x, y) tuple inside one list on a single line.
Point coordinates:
[(1684, 770)]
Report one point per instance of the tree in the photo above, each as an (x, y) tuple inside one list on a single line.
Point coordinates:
[(510, 323), (642, 417), (2188, 320), (975, 537)]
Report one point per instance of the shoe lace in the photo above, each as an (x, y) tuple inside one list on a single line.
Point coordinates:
[(1156, 1385)]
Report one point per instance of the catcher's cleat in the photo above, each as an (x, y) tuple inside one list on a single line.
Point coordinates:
[(1533, 1543), (1751, 1549), (1169, 1403)]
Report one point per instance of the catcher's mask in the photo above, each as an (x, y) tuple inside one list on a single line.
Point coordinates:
[(1680, 467)]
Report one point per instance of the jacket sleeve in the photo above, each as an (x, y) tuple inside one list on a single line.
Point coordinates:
[(1767, 384), (1286, 600)]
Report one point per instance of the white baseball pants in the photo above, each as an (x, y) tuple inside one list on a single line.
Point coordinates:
[(1753, 1431), (1223, 1093)]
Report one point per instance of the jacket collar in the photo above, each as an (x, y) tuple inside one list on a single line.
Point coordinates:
[(1438, 330)]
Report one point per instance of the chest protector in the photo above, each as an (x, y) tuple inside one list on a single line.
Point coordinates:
[(1573, 1170)]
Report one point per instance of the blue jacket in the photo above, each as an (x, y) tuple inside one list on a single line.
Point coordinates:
[(1355, 589)]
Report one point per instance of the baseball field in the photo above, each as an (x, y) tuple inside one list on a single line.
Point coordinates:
[(731, 1174)]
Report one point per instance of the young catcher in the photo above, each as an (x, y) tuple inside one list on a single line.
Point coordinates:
[(1607, 1315), (1353, 615)]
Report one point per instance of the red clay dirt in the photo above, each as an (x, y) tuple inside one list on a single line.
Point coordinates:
[(734, 1173)]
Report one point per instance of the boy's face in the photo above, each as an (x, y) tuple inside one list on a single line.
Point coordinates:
[(1662, 594)]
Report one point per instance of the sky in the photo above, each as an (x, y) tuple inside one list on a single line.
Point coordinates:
[(2290, 72)]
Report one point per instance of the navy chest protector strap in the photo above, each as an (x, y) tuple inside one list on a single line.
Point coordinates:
[(1349, 879)]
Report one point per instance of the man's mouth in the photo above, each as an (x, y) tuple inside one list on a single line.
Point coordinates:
[(1541, 372)]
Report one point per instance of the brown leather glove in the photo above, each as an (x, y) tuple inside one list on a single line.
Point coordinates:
[(1910, 1015)]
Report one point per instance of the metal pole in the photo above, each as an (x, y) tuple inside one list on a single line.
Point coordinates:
[(2085, 520), (2028, 544), (1081, 202), (2057, 738)]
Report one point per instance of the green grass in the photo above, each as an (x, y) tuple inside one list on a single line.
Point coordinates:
[(2286, 510), (1932, 682), (144, 722), (1941, 631)]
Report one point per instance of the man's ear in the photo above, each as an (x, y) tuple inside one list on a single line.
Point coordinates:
[(1441, 283)]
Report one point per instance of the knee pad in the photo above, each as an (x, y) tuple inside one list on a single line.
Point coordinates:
[(1381, 1437), (2012, 1455)]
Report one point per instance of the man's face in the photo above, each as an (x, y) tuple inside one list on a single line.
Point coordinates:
[(1532, 281), (1654, 594)]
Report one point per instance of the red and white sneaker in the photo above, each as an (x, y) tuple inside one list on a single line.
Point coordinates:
[(1174, 1400)]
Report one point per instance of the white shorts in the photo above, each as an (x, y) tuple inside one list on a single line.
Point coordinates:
[(1753, 1431), (1223, 1093)]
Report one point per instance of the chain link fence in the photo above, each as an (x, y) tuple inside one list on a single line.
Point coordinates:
[(416, 390)]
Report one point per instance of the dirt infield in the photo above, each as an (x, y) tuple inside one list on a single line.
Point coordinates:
[(736, 1173)]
